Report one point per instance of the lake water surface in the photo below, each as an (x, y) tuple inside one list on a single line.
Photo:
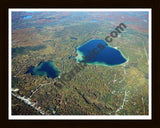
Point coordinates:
[(27, 17), (44, 68), (106, 56)]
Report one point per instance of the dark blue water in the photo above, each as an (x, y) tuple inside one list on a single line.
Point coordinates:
[(27, 17), (73, 38), (45, 68), (105, 55)]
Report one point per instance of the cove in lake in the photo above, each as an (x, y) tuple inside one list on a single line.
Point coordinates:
[(44, 68), (108, 56)]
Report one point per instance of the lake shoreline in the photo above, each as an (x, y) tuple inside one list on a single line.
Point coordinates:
[(80, 55)]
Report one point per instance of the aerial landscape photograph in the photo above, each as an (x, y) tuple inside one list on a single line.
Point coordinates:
[(75, 63)]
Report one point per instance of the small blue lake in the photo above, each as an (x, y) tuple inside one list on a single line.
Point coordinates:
[(44, 68), (74, 38), (27, 17), (98, 52), (94, 20), (71, 57)]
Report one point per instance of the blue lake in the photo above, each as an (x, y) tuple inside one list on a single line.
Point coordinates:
[(71, 57), (98, 52), (27, 17), (44, 68), (73, 38), (94, 20)]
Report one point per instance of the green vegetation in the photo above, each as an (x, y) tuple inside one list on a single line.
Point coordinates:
[(24, 50), (96, 90)]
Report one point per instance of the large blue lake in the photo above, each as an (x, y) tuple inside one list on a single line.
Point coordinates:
[(98, 52), (44, 68)]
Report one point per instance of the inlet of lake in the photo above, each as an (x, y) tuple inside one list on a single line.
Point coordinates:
[(98, 52), (44, 68)]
